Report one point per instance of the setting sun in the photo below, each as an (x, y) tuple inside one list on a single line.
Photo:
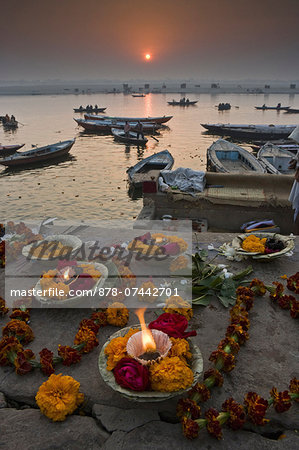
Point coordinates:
[(148, 56)]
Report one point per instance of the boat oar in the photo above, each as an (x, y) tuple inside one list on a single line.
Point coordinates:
[(155, 138)]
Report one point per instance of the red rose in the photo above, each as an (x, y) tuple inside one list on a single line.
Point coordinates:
[(172, 324), (83, 282), (130, 374)]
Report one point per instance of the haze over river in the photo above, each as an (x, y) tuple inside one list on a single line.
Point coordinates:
[(92, 182)]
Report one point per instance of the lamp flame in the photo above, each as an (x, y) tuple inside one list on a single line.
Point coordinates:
[(148, 342), (66, 274)]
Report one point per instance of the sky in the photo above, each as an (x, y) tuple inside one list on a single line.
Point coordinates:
[(107, 39)]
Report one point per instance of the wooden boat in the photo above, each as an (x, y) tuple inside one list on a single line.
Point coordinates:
[(6, 150), (224, 156), (138, 95), (104, 126), (224, 106), (158, 161), (292, 111), (11, 124), (183, 103), (275, 159), (268, 132), (38, 155), (129, 138), (89, 110), (282, 143), (275, 108), (159, 120)]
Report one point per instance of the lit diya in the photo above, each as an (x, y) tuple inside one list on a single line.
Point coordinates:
[(148, 346)]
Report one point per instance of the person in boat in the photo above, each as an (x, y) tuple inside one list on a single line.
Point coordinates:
[(95, 106), (278, 105), (187, 101), (7, 118), (139, 130), (81, 107), (12, 118), (127, 128), (264, 105)]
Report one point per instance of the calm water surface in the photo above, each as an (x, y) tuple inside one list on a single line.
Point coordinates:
[(92, 183)]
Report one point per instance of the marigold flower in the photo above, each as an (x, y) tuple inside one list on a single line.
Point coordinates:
[(9, 347), (242, 321), (170, 375), (199, 392), (69, 355), (258, 287), (190, 428), (20, 330), (237, 330), (46, 361), (293, 283), (59, 396), (231, 343), (284, 277), (128, 278), (295, 309), (176, 304), (237, 416), (100, 318), (20, 315), (254, 244), (285, 301), (223, 361), (179, 263), (115, 350), (22, 362), (277, 292), (86, 336), (294, 387), (214, 375), (256, 408), (180, 348), (281, 400), (244, 291), (117, 314), (90, 324), (187, 407), (213, 424), (3, 309), (146, 292)]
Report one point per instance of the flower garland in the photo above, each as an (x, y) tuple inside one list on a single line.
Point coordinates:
[(255, 407), (18, 333)]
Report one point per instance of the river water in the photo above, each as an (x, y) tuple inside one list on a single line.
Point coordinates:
[(92, 182)]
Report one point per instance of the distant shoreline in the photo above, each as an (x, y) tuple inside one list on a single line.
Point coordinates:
[(154, 88)]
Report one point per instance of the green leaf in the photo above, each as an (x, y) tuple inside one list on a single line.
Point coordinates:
[(224, 300), (204, 300)]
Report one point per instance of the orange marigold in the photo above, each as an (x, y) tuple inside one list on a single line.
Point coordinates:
[(180, 348), (199, 393), (117, 314), (223, 361), (21, 315), (189, 408), (3, 309), (256, 408), (69, 355), (146, 292), (213, 424), (20, 330), (236, 411), (86, 336), (190, 428), (258, 287), (281, 400), (179, 263), (170, 375), (294, 387), (176, 304), (9, 347), (59, 396), (117, 349)]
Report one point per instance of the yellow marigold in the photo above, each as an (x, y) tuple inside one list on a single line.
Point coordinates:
[(180, 241), (116, 349), (180, 348), (50, 274), (117, 314), (91, 270), (253, 243), (88, 337), (178, 263), (176, 304), (170, 374), (59, 396), (146, 292)]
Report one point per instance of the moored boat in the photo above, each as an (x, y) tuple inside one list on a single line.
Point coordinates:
[(224, 106), (224, 156), (104, 126), (6, 150), (158, 161), (275, 159), (292, 111), (138, 95), (159, 119), (268, 132), (38, 155), (129, 138)]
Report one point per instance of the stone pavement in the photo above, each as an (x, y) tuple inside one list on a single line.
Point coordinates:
[(270, 357)]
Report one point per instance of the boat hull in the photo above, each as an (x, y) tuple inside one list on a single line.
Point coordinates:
[(84, 110), (7, 150), (158, 120), (250, 133), (131, 139), (31, 160), (159, 161)]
